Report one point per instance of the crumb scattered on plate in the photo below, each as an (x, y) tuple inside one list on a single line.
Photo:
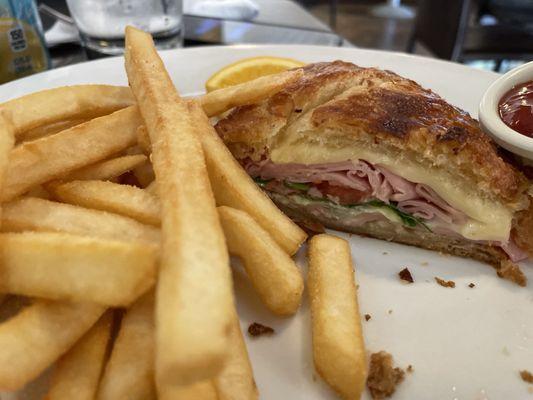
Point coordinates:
[(526, 376), (444, 283), (424, 264), (382, 376), (505, 351), (385, 253), (410, 368), (405, 275), (390, 311), (512, 272), (256, 329), (471, 285), (367, 317)]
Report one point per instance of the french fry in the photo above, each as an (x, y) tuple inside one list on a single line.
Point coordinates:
[(152, 188), (143, 140), (46, 130), (6, 145), (38, 191), (33, 339), (49, 216), (338, 345), (108, 196), (59, 266), (65, 103), (218, 101), (196, 391), (194, 293), (234, 188), (129, 374), (273, 273), (236, 381), (77, 373), (12, 304), (42, 160), (144, 174), (108, 169)]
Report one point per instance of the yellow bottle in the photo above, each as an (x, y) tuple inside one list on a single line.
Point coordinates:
[(22, 47)]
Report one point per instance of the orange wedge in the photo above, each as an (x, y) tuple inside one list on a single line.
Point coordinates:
[(248, 69)]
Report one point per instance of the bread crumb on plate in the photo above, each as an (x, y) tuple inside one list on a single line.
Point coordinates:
[(256, 329), (405, 275), (383, 378), (526, 376), (444, 283)]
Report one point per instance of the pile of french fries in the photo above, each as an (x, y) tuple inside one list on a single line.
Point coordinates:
[(129, 287)]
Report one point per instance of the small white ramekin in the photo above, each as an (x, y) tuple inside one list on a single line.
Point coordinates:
[(489, 116)]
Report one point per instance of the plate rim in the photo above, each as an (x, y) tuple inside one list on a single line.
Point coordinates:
[(202, 49)]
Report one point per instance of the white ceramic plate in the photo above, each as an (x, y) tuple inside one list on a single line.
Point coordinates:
[(464, 344)]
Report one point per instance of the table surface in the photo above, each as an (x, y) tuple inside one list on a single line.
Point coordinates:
[(278, 22)]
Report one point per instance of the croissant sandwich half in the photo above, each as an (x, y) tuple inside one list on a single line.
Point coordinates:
[(366, 151)]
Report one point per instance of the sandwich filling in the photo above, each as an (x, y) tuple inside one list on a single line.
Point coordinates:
[(359, 192)]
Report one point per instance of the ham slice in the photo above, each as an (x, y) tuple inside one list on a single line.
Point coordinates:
[(377, 182), (515, 253)]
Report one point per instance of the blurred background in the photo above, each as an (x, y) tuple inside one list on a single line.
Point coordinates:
[(490, 34)]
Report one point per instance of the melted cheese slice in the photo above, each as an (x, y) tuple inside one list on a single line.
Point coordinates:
[(488, 220)]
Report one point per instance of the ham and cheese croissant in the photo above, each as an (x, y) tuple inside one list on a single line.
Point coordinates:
[(366, 151)]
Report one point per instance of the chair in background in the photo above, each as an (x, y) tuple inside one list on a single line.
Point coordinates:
[(451, 30)]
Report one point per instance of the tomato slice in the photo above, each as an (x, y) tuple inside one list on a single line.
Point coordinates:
[(344, 194)]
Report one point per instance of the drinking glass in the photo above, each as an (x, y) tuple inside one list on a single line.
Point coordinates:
[(102, 22)]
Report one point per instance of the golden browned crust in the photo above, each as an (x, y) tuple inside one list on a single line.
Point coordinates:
[(522, 232), (371, 107)]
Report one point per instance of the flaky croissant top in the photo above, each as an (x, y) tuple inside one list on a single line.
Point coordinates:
[(347, 105)]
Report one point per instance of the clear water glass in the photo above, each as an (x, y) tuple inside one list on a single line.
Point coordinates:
[(102, 22)]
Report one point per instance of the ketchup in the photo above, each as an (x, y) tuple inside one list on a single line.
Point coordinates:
[(516, 108)]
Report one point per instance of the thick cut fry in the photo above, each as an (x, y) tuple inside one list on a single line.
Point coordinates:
[(33, 214), (67, 102), (194, 294), (236, 381), (77, 373), (33, 339), (6, 145), (234, 188), (197, 391), (274, 275), (108, 169), (38, 191), (108, 196), (143, 140), (218, 101), (129, 374), (7, 141), (152, 188), (59, 266), (46, 130), (42, 160), (338, 346), (144, 174)]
